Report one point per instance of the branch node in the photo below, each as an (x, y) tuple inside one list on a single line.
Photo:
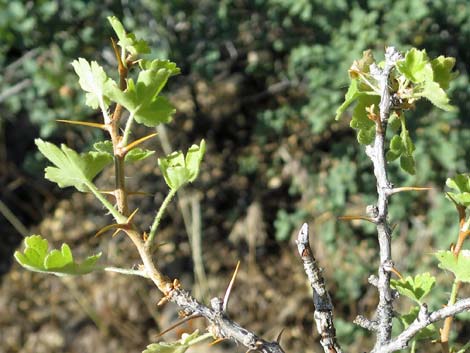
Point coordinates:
[(365, 323)]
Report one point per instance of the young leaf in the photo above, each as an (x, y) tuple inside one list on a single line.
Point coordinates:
[(60, 263), (179, 346), (459, 266), (141, 98), (178, 169), (361, 121), (437, 96), (134, 155), (428, 332), (414, 288), (461, 184), (351, 95), (70, 168), (442, 67), (158, 64), (92, 79), (128, 41), (415, 66)]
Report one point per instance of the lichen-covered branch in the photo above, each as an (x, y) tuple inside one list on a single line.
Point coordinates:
[(424, 319), (376, 152), (220, 324), (323, 308)]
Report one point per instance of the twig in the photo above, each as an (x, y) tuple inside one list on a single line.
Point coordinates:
[(321, 299), (424, 319), (221, 326), (376, 153)]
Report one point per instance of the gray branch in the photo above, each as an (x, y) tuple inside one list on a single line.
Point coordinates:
[(221, 325), (376, 153), (323, 308), (424, 319)]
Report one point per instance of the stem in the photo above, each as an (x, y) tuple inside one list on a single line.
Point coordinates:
[(445, 331), (158, 217), (127, 130), (125, 271), (14, 221), (376, 153), (116, 214)]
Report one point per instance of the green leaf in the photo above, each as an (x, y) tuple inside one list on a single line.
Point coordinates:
[(35, 257), (158, 64), (416, 66), (178, 169), (134, 155), (414, 288), (179, 346), (351, 95), (407, 163), (138, 154), (459, 266), (92, 79), (437, 96), (128, 41), (70, 168), (442, 67), (426, 333), (360, 120), (141, 98), (460, 183)]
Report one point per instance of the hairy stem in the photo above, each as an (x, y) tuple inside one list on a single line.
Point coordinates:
[(158, 217)]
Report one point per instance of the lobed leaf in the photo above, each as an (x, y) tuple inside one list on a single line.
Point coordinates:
[(461, 184), (134, 155), (414, 288), (141, 98), (458, 265), (442, 67), (128, 41), (360, 120), (428, 332), (180, 346), (416, 66), (35, 257), (70, 168), (92, 80), (178, 169)]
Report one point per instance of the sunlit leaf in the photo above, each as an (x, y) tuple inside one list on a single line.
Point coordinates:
[(35, 257), (414, 288), (141, 98), (134, 155), (360, 121), (442, 67), (71, 168), (461, 184), (128, 41), (416, 66), (178, 169), (458, 265), (92, 79)]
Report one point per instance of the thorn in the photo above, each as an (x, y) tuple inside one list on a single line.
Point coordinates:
[(108, 227), (145, 236), (138, 193), (163, 301), (408, 188), (353, 218), (279, 335), (116, 232), (217, 341), (84, 123), (229, 288), (178, 323), (117, 54), (395, 271), (131, 216), (134, 144)]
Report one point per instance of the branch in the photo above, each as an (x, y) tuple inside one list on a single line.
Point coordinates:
[(323, 307), (424, 319), (221, 325), (376, 153)]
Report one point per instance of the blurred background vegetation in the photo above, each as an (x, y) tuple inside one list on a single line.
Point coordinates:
[(261, 80)]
